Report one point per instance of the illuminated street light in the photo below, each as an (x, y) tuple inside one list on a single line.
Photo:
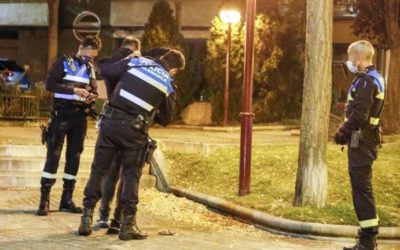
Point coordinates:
[(230, 17)]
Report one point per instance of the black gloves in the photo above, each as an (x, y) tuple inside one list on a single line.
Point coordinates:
[(342, 135)]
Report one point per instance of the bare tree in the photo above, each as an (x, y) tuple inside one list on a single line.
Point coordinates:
[(312, 176)]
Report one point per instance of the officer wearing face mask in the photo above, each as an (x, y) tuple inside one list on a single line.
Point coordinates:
[(361, 131), (72, 81)]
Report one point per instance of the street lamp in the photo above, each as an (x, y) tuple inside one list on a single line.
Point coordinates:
[(247, 114), (230, 17)]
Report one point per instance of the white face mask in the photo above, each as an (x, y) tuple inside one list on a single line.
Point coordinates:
[(350, 66)]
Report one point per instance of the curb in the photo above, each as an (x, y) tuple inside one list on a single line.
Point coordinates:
[(160, 168)]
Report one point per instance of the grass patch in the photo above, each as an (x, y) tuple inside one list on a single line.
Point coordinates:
[(273, 180)]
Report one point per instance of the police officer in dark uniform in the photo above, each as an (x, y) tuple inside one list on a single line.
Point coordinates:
[(130, 47), (362, 133), (73, 83), (145, 90)]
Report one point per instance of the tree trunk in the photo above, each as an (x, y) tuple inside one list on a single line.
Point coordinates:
[(52, 32), (178, 13), (391, 115), (312, 177)]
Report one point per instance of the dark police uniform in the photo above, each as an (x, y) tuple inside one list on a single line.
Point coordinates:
[(144, 90), (112, 177), (363, 111), (68, 119)]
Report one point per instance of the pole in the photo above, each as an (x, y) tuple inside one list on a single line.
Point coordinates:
[(227, 67), (247, 114), (53, 6)]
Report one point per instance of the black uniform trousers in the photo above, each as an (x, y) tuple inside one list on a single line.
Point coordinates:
[(108, 190), (117, 136), (73, 126), (360, 171)]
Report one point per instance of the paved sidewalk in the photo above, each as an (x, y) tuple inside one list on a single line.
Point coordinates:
[(31, 135), (195, 227)]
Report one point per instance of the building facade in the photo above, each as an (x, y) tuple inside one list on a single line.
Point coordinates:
[(24, 24)]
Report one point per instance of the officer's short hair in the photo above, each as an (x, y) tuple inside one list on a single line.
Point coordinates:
[(131, 41), (174, 59), (91, 41), (362, 46)]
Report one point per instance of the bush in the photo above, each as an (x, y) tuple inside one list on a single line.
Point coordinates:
[(278, 68)]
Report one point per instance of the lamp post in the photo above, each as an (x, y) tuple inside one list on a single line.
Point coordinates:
[(247, 114), (230, 17)]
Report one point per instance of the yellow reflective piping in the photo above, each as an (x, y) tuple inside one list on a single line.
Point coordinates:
[(349, 98), (380, 96), (369, 223), (374, 121)]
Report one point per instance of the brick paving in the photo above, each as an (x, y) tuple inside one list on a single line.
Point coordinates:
[(195, 227)]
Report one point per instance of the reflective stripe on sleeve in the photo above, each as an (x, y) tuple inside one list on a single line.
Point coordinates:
[(380, 96), (68, 97), (374, 121)]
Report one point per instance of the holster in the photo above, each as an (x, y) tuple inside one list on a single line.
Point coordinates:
[(356, 137), (150, 149), (373, 136), (44, 134)]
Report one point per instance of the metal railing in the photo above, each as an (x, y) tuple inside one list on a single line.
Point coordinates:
[(19, 107)]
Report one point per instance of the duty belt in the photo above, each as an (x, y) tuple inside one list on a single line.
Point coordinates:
[(69, 111), (138, 122)]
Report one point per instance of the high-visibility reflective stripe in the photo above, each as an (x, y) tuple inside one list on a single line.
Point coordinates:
[(374, 121), (349, 98), (69, 97), (136, 100), (69, 177), (369, 223), (380, 96), (49, 175), (149, 80), (77, 79)]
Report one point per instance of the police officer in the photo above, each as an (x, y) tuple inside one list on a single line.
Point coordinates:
[(145, 90), (73, 83), (130, 47), (361, 131)]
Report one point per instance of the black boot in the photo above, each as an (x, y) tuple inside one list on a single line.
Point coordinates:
[(66, 203), (114, 227), (116, 222), (130, 230), (103, 220), (365, 242), (44, 202), (85, 228), (367, 239)]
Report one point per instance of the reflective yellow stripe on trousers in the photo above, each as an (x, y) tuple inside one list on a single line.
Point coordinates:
[(369, 223)]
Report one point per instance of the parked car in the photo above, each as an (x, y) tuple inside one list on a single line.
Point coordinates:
[(12, 73)]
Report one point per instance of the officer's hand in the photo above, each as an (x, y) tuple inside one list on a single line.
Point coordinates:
[(91, 98), (340, 138), (81, 92)]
